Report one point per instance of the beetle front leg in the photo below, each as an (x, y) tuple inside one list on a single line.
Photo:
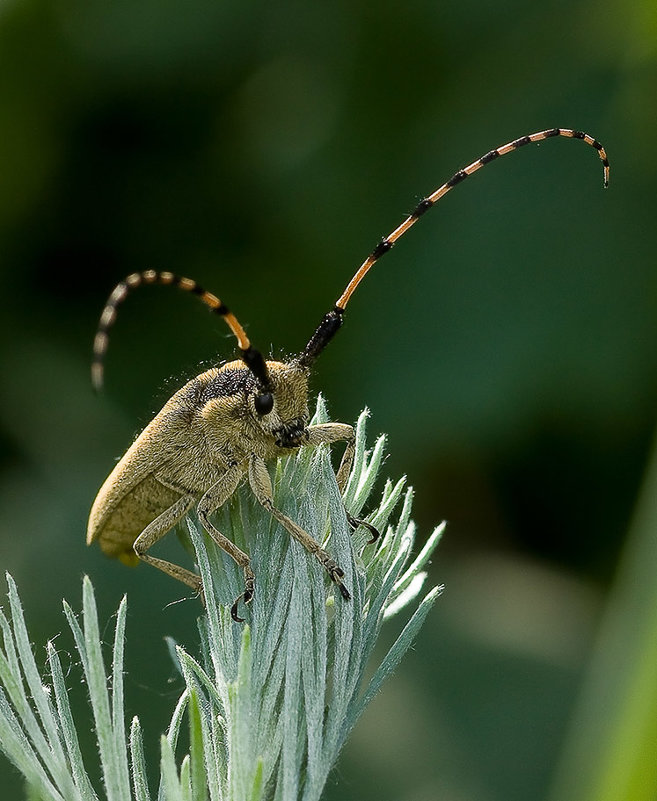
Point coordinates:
[(262, 489), (327, 433), (215, 497)]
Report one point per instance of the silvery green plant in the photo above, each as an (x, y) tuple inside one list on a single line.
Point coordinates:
[(268, 704)]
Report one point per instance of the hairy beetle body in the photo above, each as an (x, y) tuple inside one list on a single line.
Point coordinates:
[(206, 427)]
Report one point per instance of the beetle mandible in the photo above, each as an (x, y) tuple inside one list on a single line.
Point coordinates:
[(222, 427)]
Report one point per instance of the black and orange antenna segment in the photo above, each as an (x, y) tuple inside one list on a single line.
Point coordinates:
[(332, 321), (249, 355)]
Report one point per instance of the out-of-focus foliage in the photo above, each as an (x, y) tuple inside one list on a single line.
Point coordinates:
[(507, 345)]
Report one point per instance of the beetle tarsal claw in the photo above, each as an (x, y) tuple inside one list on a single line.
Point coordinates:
[(355, 522), (336, 575), (233, 611), (246, 597), (343, 590)]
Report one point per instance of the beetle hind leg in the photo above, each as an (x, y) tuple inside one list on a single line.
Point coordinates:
[(154, 532)]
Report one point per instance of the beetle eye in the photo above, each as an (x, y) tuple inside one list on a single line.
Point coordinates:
[(264, 403)]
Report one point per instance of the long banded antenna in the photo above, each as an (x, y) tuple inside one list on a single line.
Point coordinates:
[(251, 357), (426, 203), (332, 321)]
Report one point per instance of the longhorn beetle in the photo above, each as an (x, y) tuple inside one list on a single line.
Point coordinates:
[(222, 426)]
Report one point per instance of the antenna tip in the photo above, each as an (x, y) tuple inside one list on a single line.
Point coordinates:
[(97, 377)]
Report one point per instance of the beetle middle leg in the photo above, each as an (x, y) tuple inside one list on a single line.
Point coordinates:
[(262, 489), (215, 497), (328, 433)]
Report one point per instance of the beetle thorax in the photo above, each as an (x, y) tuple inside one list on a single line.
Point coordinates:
[(228, 415)]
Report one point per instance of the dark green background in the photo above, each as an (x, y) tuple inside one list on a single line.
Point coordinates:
[(507, 344)]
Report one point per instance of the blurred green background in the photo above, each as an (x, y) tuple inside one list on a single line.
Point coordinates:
[(507, 344)]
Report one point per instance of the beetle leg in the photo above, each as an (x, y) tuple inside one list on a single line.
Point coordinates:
[(341, 432), (262, 489), (215, 497), (154, 532), (328, 433), (356, 522)]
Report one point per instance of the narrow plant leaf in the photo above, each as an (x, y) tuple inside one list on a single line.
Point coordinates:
[(96, 677), (394, 655), (172, 739), (67, 724), (191, 667), (118, 722), (257, 789), (8, 643), (359, 456), (13, 685), (290, 710), (50, 748), (171, 789), (418, 563), (197, 779), (176, 719), (17, 748), (139, 780), (185, 779)]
